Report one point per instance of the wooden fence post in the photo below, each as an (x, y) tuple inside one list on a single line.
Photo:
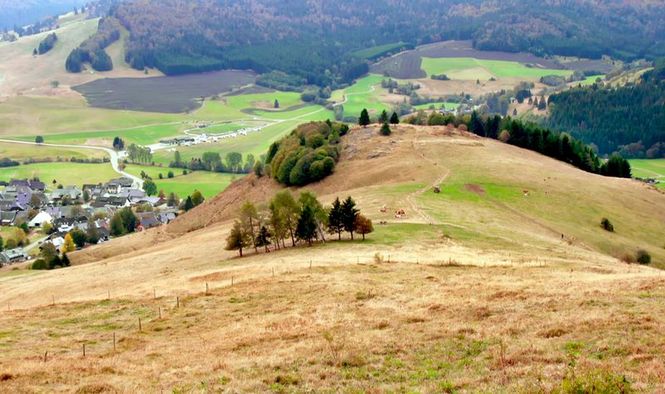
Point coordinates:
[(46, 356), (206, 288), (177, 302), (140, 329), (84, 350)]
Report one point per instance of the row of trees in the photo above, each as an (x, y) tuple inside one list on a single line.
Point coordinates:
[(303, 220), (233, 162), (364, 119), (139, 154)]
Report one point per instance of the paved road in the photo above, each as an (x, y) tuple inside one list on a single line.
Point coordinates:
[(138, 182)]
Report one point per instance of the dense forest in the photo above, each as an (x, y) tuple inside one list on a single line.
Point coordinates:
[(629, 119), (317, 40), (47, 44)]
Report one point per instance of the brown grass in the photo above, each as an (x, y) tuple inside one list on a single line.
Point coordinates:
[(487, 297)]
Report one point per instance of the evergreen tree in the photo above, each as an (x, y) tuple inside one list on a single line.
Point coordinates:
[(349, 215), (306, 228), (276, 104), (189, 205), (263, 238), (364, 118), (383, 118), (320, 214), (394, 119), (476, 124), (542, 104), (335, 221), (385, 129)]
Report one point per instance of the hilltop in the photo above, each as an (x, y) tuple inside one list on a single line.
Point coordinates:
[(497, 282)]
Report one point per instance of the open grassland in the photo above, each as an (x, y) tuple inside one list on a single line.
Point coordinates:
[(590, 80), (470, 68), (21, 152), (364, 94), (650, 169), (444, 105), (473, 290), (208, 183), (64, 173)]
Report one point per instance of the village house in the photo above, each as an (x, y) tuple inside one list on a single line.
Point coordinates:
[(13, 256)]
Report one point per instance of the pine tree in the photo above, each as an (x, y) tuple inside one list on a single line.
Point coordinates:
[(394, 119), (364, 118), (383, 118), (385, 129), (263, 238), (335, 223), (189, 205), (306, 228), (349, 215)]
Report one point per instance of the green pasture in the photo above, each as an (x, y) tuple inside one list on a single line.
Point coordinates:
[(365, 93), (208, 183), (21, 152), (446, 105), (590, 80), (470, 69), (64, 173), (654, 168)]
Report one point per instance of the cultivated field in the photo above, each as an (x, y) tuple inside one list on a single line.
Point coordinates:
[(20, 152), (172, 94), (208, 183), (473, 291)]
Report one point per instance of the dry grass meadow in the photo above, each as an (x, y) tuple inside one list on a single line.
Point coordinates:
[(474, 291)]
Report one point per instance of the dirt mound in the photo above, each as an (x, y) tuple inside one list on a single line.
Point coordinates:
[(475, 189)]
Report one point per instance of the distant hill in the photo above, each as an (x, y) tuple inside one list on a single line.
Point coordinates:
[(318, 41), (628, 118), (20, 13)]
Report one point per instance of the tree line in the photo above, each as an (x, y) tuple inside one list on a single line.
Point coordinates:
[(304, 220), (233, 162), (557, 145), (46, 44)]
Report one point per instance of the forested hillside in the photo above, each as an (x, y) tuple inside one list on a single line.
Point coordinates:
[(316, 40), (630, 119)]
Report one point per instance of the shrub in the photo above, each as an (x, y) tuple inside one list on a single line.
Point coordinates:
[(385, 129), (39, 264), (607, 225), (643, 257)]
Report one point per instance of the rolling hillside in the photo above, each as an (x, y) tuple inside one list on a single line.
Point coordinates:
[(496, 283)]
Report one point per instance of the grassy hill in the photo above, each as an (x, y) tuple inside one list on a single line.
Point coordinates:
[(475, 290)]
